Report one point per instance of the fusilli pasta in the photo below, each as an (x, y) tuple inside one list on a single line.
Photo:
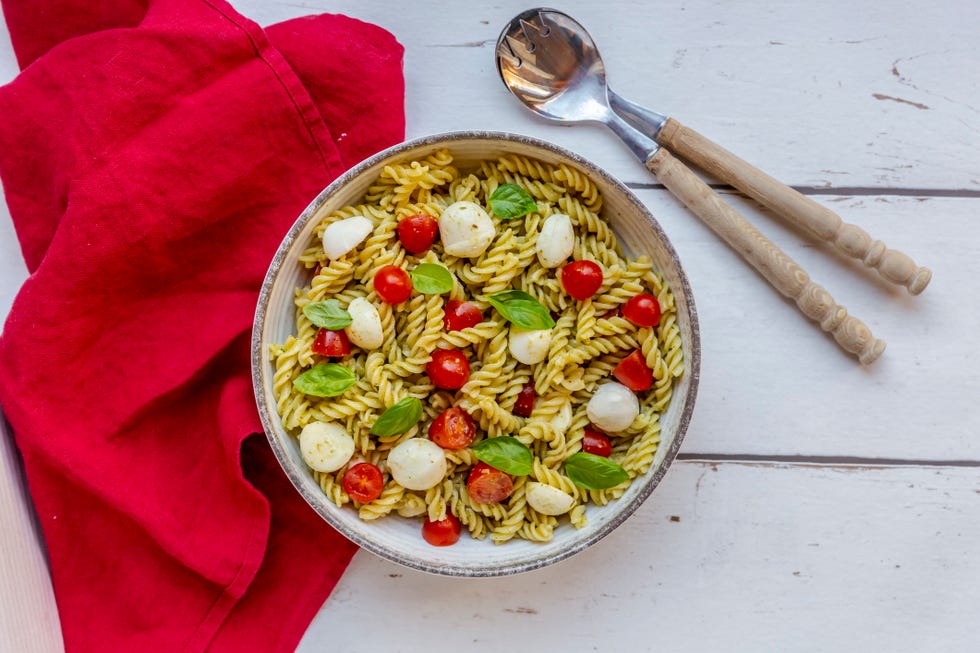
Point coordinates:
[(589, 339)]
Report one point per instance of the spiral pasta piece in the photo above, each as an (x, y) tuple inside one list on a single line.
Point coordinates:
[(390, 499)]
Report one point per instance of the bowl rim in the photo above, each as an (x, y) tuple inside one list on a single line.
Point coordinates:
[(270, 421)]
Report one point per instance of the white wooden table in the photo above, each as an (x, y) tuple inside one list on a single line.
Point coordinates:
[(817, 505)]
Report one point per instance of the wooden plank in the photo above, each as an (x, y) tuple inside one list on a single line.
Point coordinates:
[(722, 557), (28, 613), (816, 94), (773, 383)]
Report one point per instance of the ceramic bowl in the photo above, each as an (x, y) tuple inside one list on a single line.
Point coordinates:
[(396, 538)]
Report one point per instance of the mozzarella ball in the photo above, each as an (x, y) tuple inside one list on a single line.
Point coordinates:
[(613, 407), (465, 229), (417, 464), (548, 500), (556, 240), (325, 447), (344, 235), (529, 347), (365, 329)]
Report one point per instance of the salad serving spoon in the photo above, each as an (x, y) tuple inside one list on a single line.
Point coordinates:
[(549, 62)]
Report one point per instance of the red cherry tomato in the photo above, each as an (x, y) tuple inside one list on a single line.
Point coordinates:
[(581, 279), (448, 369), (444, 532), (417, 232), (363, 482), (392, 284), (488, 484), (525, 400), (633, 372), (461, 315), (596, 442), (642, 310), (331, 343), (453, 429)]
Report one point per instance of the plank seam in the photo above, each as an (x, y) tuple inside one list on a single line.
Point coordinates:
[(824, 461), (854, 191)]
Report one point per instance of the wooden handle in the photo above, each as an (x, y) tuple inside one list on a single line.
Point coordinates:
[(778, 268), (796, 208)]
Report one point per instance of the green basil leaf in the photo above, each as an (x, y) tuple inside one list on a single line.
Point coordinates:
[(511, 201), (507, 454), (432, 279), (325, 380), (521, 309), (398, 418), (594, 472), (327, 315)]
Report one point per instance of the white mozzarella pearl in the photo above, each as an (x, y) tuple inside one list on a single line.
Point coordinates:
[(556, 241), (417, 464), (344, 235), (613, 407), (548, 500), (365, 329), (325, 447), (529, 347), (465, 229)]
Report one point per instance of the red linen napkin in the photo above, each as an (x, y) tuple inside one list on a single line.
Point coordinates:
[(153, 153)]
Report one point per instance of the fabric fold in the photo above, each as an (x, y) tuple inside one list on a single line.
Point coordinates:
[(153, 154)]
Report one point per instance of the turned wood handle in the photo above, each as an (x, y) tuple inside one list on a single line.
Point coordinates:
[(796, 208), (778, 268)]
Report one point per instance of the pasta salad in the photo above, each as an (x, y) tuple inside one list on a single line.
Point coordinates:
[(474, 350)]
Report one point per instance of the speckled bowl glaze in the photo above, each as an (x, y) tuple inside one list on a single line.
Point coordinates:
[(399, 539)]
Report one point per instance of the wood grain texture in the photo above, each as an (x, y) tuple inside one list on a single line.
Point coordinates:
[(768, 386), (797, 209), (28, 614), (772, 263), (761, 557)]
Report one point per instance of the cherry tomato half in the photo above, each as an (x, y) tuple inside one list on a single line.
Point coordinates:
[(581, 279), (596, 442), (417, 232), (633, 372), (461, 315), (444, 532), (363, 482), (525, 400), (453, 429), (330, 343), (448, 369), (392, 284), (642, 310), (488, 484)]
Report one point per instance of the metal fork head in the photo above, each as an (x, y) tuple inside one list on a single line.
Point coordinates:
[(550, 63), (543, 58)]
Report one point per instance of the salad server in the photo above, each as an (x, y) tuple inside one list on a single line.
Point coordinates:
[(546, 62), (566, 38)]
